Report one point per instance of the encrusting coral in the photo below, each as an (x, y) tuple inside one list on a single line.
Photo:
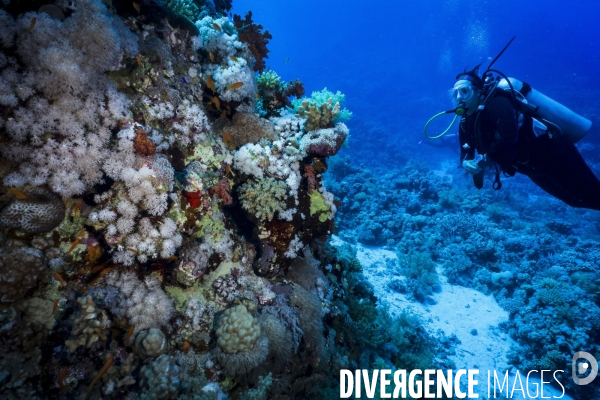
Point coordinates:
[(39, 211), (21, 267)]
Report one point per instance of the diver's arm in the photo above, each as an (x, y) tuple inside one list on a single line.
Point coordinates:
[(467, 152)]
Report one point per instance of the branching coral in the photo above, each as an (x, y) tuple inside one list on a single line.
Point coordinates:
[(320, 116), (319, 98)]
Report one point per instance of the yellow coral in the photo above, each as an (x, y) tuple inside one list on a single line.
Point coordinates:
[(318, 117)]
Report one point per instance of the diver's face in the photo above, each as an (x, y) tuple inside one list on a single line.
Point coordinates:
[(464, 92)]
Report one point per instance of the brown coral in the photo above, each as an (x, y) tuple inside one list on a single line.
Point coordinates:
[(244, 128), (309, 174), (142, 145), (251, 33), (220, 191), (281, 97), (294, 88)]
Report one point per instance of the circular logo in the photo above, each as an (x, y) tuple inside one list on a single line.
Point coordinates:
[(583, 367)]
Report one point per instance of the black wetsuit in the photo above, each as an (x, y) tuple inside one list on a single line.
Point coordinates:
[(550, 161)]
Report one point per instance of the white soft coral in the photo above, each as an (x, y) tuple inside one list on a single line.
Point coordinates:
[(59, 134), (144, 304)]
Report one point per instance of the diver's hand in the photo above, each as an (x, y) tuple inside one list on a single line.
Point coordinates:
[(471, 166)]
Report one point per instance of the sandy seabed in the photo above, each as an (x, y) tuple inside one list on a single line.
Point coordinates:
[(458, 311)]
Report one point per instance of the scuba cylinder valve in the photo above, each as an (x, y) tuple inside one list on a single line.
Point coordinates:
[(539, 105)]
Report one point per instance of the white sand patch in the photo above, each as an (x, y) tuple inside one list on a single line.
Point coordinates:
[(458, 311)]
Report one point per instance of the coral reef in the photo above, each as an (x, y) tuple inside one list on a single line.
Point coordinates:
[(157, 235), (543, 273)]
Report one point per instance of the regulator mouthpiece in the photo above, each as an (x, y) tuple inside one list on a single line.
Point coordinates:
[(461, 109)]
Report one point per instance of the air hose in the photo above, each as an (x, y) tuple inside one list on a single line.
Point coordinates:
[(460, 110)]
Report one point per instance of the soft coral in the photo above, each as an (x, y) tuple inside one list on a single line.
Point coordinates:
[(251, 33)]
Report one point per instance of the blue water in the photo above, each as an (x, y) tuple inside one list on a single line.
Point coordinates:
[(395, 60)]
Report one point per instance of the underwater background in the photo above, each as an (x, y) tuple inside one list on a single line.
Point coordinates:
[(396, 60), (186, 212)]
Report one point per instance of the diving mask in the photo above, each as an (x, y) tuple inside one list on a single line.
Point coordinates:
[(462, 92)]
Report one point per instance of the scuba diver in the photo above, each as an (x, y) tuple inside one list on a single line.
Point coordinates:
[(508, 125)]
